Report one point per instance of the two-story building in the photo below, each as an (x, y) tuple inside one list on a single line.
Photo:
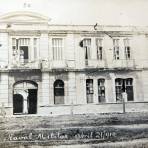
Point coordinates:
[(48, 69)]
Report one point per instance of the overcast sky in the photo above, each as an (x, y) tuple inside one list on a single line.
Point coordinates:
[(105, 12)]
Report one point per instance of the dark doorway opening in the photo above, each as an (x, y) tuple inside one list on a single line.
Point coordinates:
[(32, 101), (17, 104), (24, 49)]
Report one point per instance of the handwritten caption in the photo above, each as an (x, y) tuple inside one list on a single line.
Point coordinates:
[(57, 135)]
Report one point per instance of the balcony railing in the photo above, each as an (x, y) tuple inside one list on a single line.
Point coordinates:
[(26, 65), (142, 63), (3, 64), (123, 63), (58, 64), (95, 63)]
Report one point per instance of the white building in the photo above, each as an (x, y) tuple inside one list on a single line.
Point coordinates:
[(69, 69)]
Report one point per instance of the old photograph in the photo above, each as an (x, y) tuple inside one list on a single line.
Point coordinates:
[(73, 73)]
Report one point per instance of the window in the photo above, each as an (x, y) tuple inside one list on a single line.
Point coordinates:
[(20, 48), (128, 85), (87, 47), (57, 47), (118, 87), (24, 54), (127, 50), (23, 47), (99, 49), (129, 89), (58, 92), (101, 90), (89, 90), (116, 49)]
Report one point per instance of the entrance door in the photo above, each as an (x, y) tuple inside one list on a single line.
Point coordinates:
[(17, 104), (32, 101)]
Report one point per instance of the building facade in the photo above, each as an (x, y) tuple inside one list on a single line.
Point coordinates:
[(48, 69)]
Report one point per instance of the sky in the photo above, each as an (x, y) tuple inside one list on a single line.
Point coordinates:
[(84, 12)]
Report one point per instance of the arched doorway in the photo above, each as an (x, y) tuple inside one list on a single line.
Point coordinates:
[(58, 92), (17, 103), (28, 92)]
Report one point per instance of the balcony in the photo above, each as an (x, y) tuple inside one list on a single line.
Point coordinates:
[(142, 63), (123, 63), (95, 63), (27, 65), (3, 65), (58, 64)]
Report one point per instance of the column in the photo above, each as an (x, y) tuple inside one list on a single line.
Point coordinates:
[(45, 89), (25, 103), (4, 88), (112, 91), (71, 88), (44, 42), (81, 89), (95, 87)]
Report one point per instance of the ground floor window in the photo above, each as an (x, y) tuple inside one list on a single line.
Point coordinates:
[(89, 90), (101, 90), (58, 92), (129, 89), (124, 85)]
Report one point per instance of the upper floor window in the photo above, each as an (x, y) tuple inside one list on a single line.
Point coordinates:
[(99, 49), (21, 48), (57, 47), (87, 47), (116, 49), (124, 85), (25, 49), (127, 49), (89, 90), (101, 90)]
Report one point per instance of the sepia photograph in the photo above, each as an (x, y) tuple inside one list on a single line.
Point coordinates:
[(73, 73)]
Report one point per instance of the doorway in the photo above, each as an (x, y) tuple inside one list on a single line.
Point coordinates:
[(17, 104), (24, 53), (25, 97), (32, 101)]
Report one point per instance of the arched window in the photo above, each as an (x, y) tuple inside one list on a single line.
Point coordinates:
[(58, 92), (101, 90), (89, 90)]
